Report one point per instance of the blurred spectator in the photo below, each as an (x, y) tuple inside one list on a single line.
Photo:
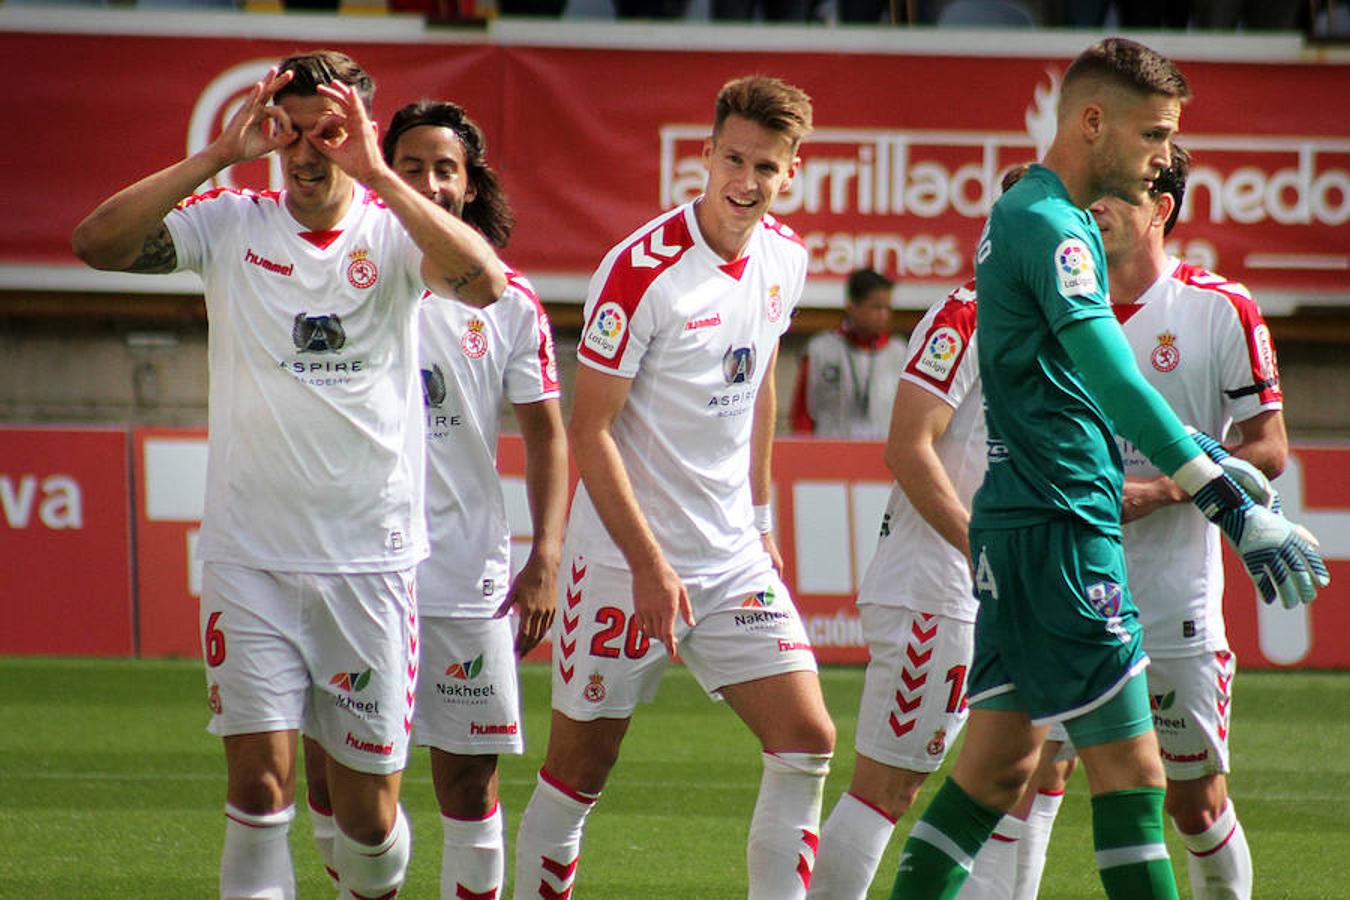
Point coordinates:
[(847, 378), (1253, 15), (768, 10)]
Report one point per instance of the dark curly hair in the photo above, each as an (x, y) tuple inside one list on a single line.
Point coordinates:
[(489, 211)]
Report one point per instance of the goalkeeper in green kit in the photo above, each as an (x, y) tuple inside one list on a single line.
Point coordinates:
[(1057, 638)]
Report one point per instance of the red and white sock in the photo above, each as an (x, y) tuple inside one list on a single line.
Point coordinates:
[(473, 857), (1035, 842), (994, 874), (256, 861), (852, 842), (325, 832), (373, 872), (1219, 860), (785, 829), (548, 845)]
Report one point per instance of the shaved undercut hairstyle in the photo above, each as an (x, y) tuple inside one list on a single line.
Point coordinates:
[(768, 102), (1123, 63), (488, 211), (318, 67)]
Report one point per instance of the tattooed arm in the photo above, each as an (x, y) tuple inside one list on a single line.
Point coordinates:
[(127, 233)]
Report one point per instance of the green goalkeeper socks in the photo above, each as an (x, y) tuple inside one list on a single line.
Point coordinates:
[(1127, 831), (941, 848)]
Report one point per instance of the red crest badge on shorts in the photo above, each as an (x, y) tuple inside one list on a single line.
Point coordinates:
[(775, 303), (938, 745), (595, 690), (474, 343), (1166, 356), (361, 271), (214, 700)]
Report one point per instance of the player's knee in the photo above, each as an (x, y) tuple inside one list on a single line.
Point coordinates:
[(373, 869), (1194, 812), (259, 793), (466, 785)]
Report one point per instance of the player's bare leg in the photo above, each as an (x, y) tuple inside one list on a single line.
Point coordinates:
[(1218, 858), (473, 853), (854, 837), (576, 766), (1010, 864), (362, 833), (259, 807), (787, 713)]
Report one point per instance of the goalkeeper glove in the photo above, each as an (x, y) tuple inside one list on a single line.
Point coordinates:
[(1281, 558), (1252, 480)]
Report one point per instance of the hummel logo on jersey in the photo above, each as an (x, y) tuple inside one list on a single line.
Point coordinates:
[(738, 364), (264, 262), (705, 322), (433, 386), (653, 251), (318, 334)]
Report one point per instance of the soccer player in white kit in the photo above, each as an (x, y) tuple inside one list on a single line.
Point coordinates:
[(915, 601), (669, 543), (1201, 341), (468, 698), (314, 519)]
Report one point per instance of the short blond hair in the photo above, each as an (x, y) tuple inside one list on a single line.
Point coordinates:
[(766, 101)]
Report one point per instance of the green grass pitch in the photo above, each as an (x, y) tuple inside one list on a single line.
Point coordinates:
[(111, 788)]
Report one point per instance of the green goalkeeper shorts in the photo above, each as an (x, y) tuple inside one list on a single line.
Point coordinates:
[(1057, 634)]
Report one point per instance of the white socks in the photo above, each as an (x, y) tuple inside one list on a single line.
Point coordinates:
[(373, 873), (852, 842), (994, 874), (325, 833), (473, 857), (548, 844), (1035, 842), (784, 832), (1219, 861), (256, 861)]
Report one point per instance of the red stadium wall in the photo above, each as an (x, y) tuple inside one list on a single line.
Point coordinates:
[(591, 140), (68, 583)]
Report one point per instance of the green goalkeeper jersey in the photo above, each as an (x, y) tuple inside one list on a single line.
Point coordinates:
[(1039, 268)]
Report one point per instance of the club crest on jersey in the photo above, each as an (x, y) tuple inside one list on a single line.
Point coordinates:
[(1166, 356), (474, 343), (433, 386), (938, 745), (1074, 266), (940, 353), (318, 334), (361, 271), (606, 330), (1106, 598), (738, 364), (774, 305), (594, 691)]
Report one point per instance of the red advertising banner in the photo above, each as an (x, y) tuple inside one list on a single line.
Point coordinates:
[(592, 141), (65, 542)]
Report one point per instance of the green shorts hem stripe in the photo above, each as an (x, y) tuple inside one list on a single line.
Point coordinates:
[(1100, 700)]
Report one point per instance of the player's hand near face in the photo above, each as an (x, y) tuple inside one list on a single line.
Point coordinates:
[(347, 136), (257, 127), (658, 597), (534, 594)]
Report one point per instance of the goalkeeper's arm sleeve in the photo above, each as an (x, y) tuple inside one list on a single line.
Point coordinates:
[(1138, 412)]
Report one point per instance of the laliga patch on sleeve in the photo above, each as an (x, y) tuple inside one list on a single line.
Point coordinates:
[(940, 353), (1073, 265), (606, 331)]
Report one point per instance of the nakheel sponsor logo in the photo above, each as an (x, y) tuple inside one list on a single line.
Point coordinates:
[(369, 746), (458, 688), (488, 728), (349, 683), (757, 614)]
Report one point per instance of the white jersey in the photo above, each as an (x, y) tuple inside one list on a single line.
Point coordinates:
[(1200, 340), (315, 449), (694, 333), (471, 358), (914, 566), (848, 388)]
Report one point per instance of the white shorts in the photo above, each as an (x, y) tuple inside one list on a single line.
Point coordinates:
[(914, 690), (468, 696), (334, 655), (746, 628), (1191, 698)]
